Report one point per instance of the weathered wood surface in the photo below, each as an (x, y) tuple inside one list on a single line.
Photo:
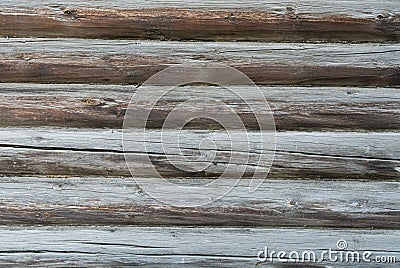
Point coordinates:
[(199, 24), (76, 183), (298, 155), (379, 145), (183, 247), (110, 201), (366, 8), (306, 108), (132, 62)]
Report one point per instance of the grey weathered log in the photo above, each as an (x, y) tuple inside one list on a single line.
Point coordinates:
[(132, 62), (379, 145), (185, 247), (109, 201), (319, 180), (294, 108), (298, 154)]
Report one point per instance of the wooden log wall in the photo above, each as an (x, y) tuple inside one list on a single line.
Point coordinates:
[(330, 71)]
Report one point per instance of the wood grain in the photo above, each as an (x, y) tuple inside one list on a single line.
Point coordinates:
[(355, 8), (182, 247), (110, 201), (198, 24), (67, 198), (132, 62), (380, 145), (298, 155), (294, 108)]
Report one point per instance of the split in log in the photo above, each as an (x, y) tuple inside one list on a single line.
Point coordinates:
[(186, 247), (298, 155)]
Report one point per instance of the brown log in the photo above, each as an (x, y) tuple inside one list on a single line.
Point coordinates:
[(354, 8), (189, 24), (133, 62), (294, 108)]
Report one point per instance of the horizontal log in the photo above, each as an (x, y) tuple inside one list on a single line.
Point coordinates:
[(367, 8), (132, 62), (187, 247), (113, 201), (199, 24), (297, 154), (383, 145), (294, 108)]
